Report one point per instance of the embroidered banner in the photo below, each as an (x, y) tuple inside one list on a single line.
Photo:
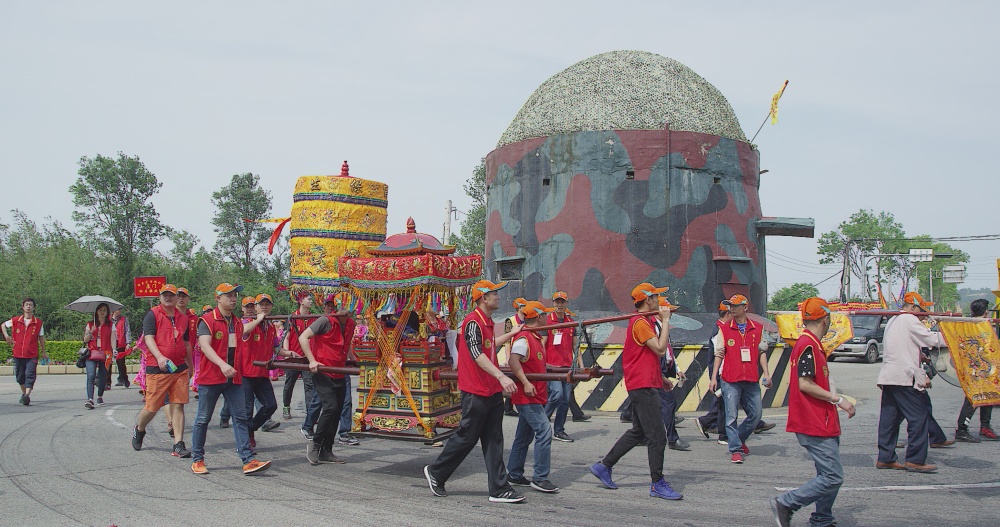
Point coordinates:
[(790, 327), (975, 353)]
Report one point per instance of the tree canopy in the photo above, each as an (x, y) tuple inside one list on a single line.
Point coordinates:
[(788, 298), (472, 237)]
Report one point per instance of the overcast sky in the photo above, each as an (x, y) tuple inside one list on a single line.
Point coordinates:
[(889, 108)]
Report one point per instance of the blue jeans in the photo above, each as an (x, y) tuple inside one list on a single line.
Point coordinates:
[(347, 413), (311, 402), (559, 394), (735, 395), (532, 423), (208, 396), (96, 373), (259, 389), (668, 408), (823, 489)]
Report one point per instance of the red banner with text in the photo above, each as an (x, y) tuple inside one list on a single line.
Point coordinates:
[(148, 286)]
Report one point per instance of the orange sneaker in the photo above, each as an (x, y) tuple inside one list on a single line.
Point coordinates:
[(255, 466), (198, 467)]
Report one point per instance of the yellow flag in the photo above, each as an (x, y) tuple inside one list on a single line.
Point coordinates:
[(790, 327), (774, 103), (975, 353)]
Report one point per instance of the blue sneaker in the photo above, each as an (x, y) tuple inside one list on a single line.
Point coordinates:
[(661, 489), (603, 473)]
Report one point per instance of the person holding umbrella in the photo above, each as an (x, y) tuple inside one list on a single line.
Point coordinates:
[(97, 336)]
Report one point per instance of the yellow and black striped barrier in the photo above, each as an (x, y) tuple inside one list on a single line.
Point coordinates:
[(607, 394)]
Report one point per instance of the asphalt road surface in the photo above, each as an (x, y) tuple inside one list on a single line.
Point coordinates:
[(62, 464)]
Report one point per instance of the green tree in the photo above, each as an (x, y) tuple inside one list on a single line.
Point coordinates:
[(865, 233), (788, 298), (240, 241), (114, 212), (472, 236)]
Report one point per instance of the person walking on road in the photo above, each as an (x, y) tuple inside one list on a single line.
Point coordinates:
[(26, 336), (121, 333), (97, 336), (986, 432), (813, 418)]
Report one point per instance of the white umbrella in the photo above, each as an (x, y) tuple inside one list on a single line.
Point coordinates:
[(88, 304)]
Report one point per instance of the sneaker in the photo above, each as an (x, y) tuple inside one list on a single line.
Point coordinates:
[(223, 423), (128, 383), (581, 419), (253, 441), (544, 486), (624, 419), (678, 419), (661, 489), (170, 429), (120, 383), (745, 449), (603, 473), (327, 456), (763, 426), (518, 480), (965, 437), (286, 413), (89, 404), (562, 436), (306, 434), (511, 413), (347, 440), (312, 453), (198, 467), (723, 441), (701, 429), (437, 489), (270, 425), (985, 432), (137, 438), (180, 450), (27, 401), (254, 467), (680, 445), (737, 458), (21, 400), (507, 496), (782, 514)]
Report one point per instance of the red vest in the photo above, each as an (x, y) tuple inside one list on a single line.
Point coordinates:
[(807, 414), (169, 336), (26, 337), (259, 346), (472, 378), (301, 324), (640, 365), (559, 355), (736, 370), (535, 364), (100, 341), (330, 348), (208, 372), (192, 328), (119, 325)]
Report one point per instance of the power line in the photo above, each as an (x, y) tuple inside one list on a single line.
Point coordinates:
[(795, 269)]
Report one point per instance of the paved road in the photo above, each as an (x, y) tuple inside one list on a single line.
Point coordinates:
[(64, 465)]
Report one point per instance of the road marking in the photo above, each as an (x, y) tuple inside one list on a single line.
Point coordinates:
[(109, 414), (958, 486)]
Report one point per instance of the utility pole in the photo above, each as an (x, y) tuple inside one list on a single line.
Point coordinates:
[(845, 276), (447, 223)]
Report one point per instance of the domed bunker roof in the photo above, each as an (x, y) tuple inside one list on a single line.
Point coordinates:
[(624, 90)]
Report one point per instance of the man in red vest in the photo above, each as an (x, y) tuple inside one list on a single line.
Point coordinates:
[(641, 356), (740, 376), (503, 356), (813, 418), (262, 342), (221, 337), (528, 356), (483, 386), (121, 333), (27, 340), (559, 350), (291, 343), (332, 334)]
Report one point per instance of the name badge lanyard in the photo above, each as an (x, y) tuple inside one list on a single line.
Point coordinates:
[(743, 342)]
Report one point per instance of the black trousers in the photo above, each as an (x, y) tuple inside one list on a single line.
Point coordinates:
[(122, 369), (668, 408), (574, 407), (482, 422), (291, 376), (899, 403), (331, 399), (647, 423), (965, 415)]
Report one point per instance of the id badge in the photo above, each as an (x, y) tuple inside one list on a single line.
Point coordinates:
[(557, 338), (175, 333), (745, 354), (232, 340)]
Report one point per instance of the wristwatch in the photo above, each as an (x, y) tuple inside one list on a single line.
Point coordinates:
[(839, 400)]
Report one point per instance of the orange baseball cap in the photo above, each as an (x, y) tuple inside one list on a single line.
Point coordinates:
[(815, 309), (264, 296), (183, 291), (482, 287), (534, 308), (226, 287), (738, 300), (206, 308), (724, 305), (248, 300), (560, 295), (520, 302), (914, 298), (168, 288), (646, 290), (666, 303)]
